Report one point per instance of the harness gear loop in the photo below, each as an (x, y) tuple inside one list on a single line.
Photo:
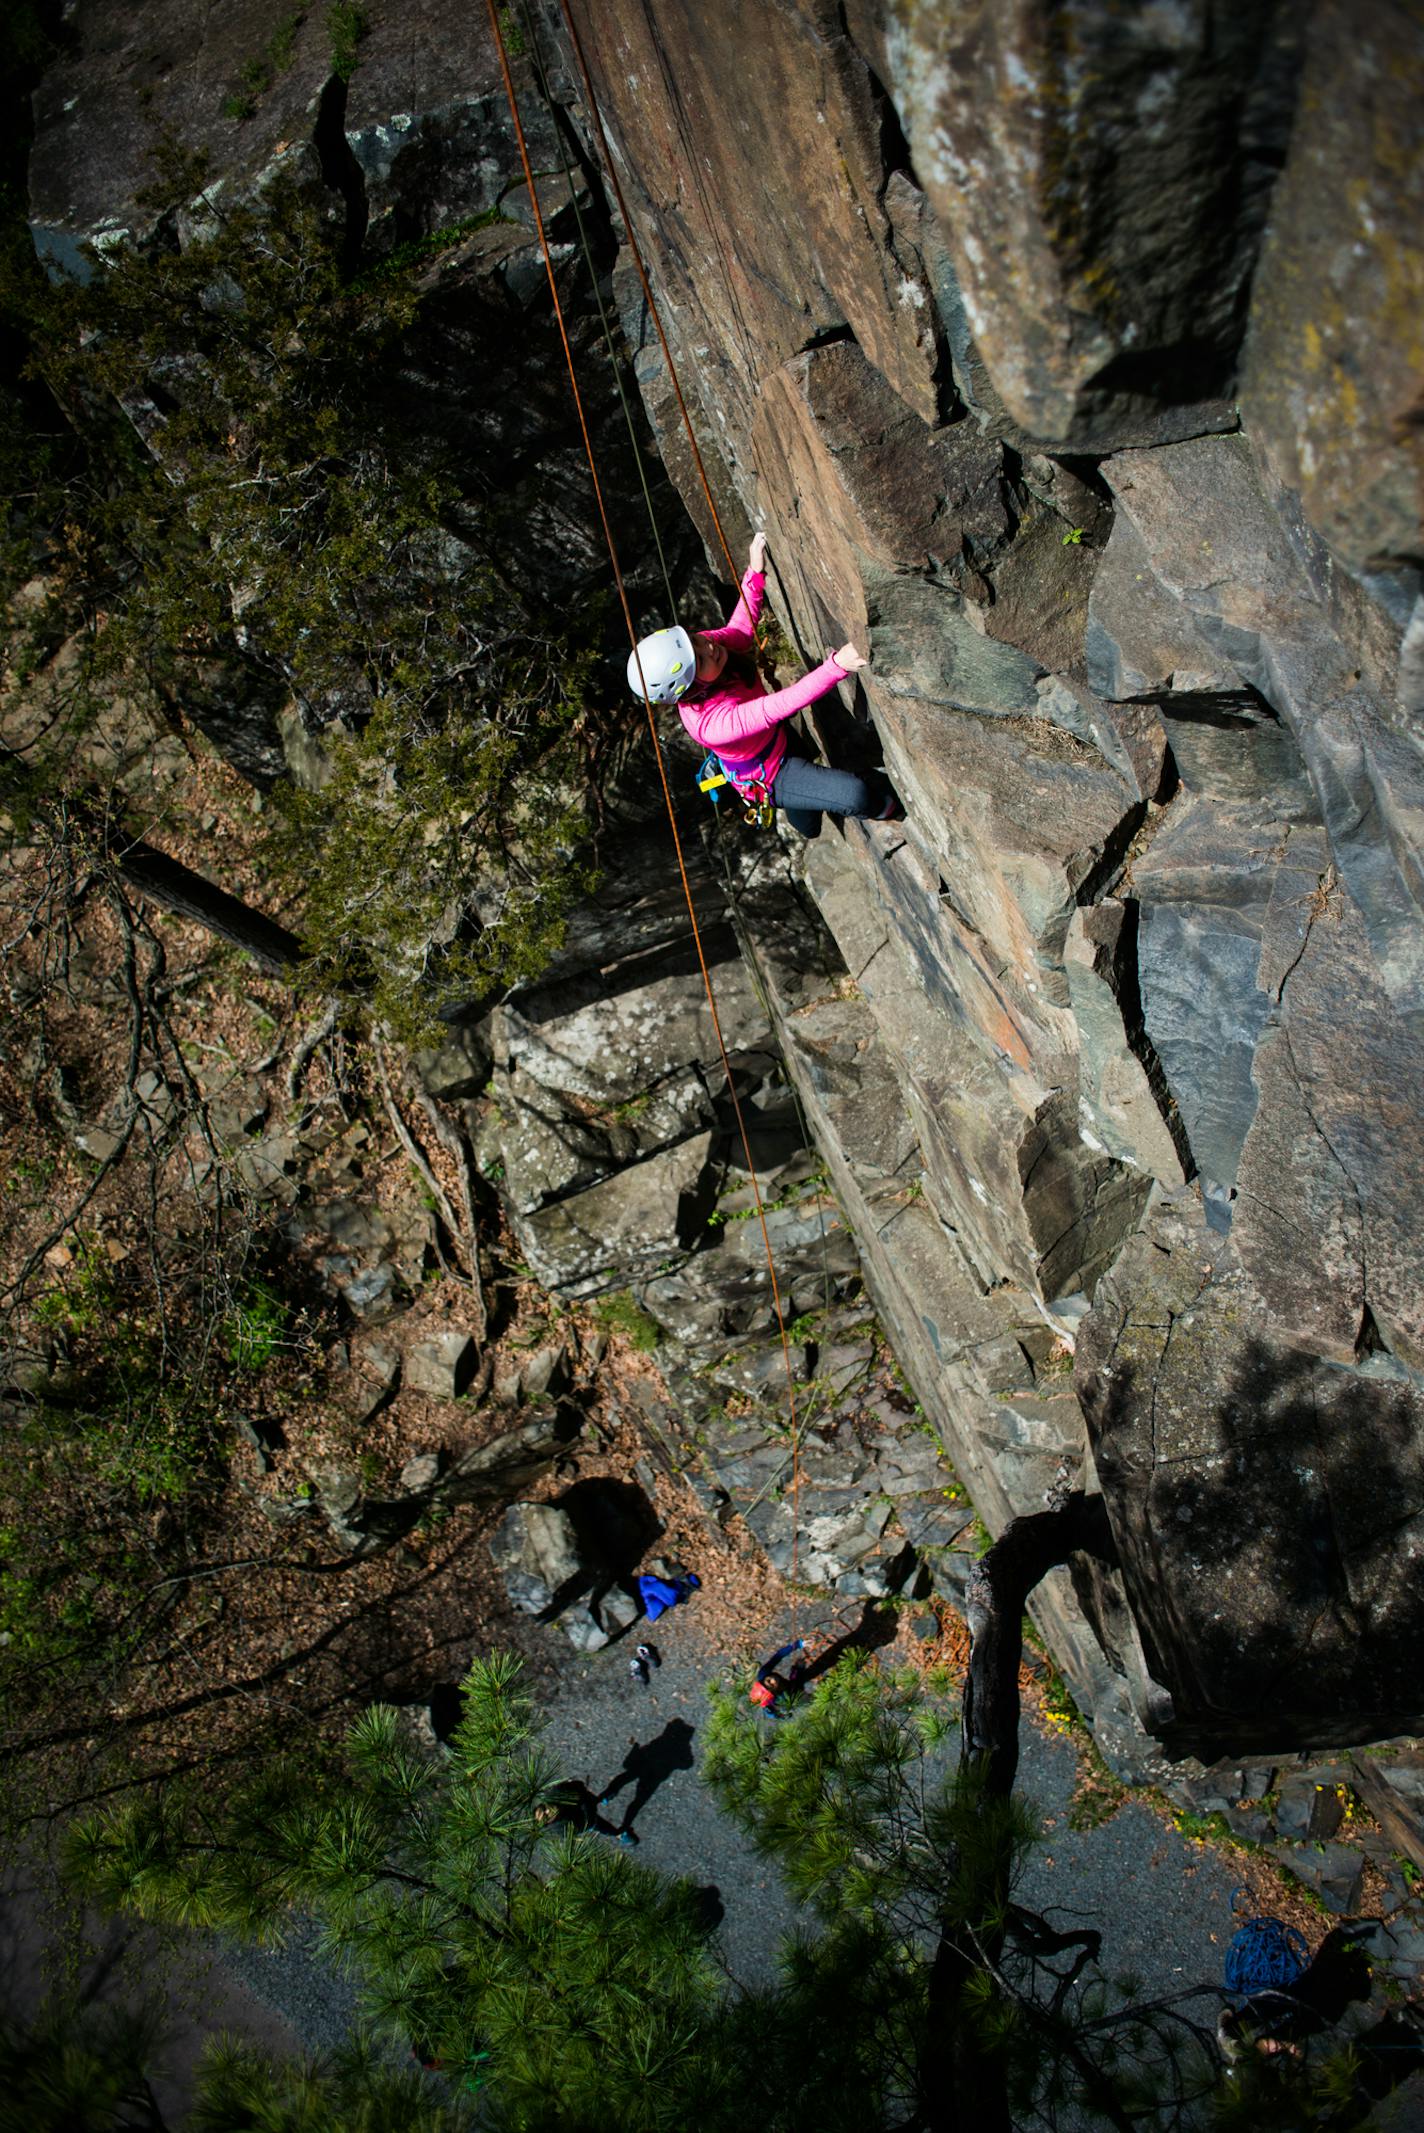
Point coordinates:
[(710, 776)]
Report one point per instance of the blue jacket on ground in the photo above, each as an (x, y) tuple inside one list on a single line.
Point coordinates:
[(659, 1594)]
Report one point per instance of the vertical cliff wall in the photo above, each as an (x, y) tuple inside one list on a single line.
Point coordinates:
[(1072, 359)]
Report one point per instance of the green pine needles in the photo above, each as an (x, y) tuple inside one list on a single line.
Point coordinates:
[(560, 1988), (478, 1922)]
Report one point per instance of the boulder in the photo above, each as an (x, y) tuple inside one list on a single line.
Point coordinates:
[(266, 1168), (1333, 1871), (420, 1473), (552, 1142), (370, 1256), (513, 1459), (442, 1366), (535, 1547), (461, 1067), (372, 1294), (627, 1226), (375, 1374), (361, 1524), (546, 1373), (617, 1610)]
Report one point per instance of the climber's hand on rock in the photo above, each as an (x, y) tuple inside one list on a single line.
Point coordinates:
[(756, 558), (849, 658)]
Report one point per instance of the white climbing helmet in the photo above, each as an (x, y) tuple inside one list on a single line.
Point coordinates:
[(669, 666)]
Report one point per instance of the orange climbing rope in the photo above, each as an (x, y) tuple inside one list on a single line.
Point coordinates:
[(611, 545)]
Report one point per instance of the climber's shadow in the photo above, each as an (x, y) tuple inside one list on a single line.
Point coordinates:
[(877, 1626), (648, 1765)]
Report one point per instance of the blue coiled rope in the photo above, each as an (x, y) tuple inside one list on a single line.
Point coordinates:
[(1265, 1955)]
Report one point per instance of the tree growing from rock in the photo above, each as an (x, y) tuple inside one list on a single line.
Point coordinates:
[(230, 519)]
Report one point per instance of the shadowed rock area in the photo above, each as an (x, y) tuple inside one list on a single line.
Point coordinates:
[(1072, 361)]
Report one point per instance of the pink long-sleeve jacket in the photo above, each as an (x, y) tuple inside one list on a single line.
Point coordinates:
[(742, 722)]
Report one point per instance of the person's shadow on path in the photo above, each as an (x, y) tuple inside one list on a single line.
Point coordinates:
[(646, 1766)]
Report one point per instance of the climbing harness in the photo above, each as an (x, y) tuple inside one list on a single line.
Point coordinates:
[(1265, 1955), (762, 805), (758, 812)]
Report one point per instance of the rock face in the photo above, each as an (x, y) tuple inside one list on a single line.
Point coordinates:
[(1101, 180), (1117, 1043), (1151, 936), (1265, 1499), (1341, 273)]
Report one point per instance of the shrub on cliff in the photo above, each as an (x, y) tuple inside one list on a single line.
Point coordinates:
[(241, 513)]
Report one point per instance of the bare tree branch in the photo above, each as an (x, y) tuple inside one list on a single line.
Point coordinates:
[(410, 1144)]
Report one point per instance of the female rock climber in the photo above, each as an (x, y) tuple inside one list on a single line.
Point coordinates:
[(711, 676)]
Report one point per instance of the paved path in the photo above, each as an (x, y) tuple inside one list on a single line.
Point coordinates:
[(47, 1947), (1163, 1903)]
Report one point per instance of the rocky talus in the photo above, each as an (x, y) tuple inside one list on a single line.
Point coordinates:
[(1073, 359)]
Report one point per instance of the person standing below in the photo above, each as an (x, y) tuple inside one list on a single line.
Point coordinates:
[(768, 1691), (711, 675)]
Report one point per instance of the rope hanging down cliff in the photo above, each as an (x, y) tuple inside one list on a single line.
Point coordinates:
[(618, 579), (711, 774)]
